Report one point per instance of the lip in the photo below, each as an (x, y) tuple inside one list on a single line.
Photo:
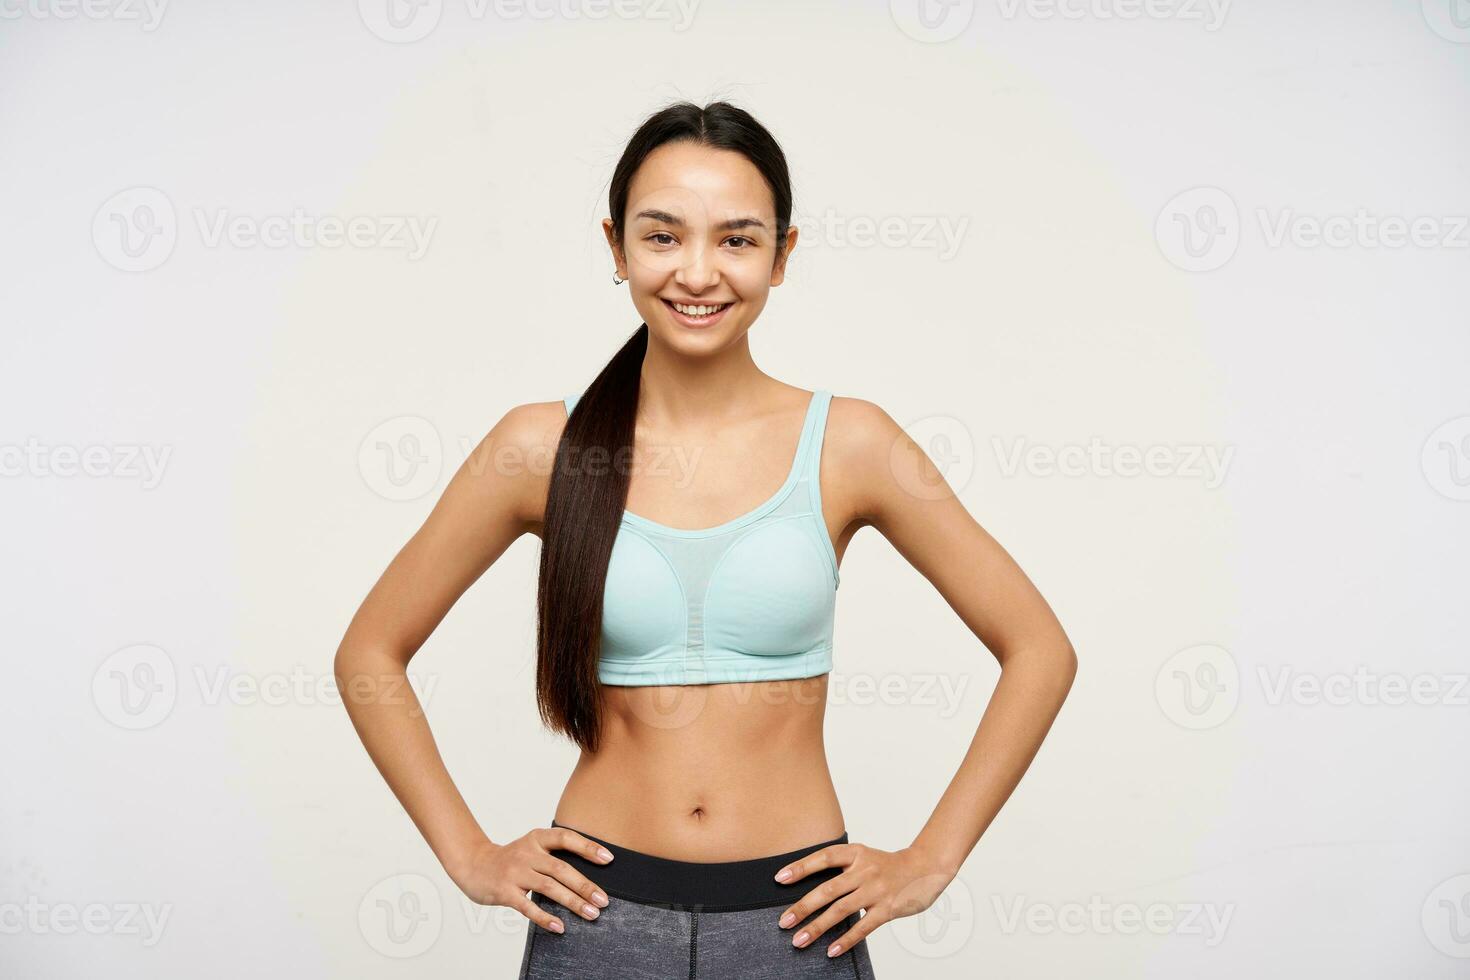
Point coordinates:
[(696, 323)]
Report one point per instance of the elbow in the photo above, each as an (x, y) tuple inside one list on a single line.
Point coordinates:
[(1053, 664), (344, 669), (358, 673), (347, 661), (342, 664), (1066, 665), (365, 672)]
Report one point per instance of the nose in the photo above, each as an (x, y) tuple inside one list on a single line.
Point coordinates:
[(698, 271)]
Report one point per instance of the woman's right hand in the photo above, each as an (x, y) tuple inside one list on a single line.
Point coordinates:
[(503, 874)]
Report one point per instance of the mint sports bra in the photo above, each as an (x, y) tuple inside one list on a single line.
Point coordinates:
[(751, 599)]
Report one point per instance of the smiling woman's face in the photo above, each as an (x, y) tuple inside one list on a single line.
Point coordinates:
[(699, 245)]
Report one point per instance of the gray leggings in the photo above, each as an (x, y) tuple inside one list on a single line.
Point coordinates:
[(667, 920)]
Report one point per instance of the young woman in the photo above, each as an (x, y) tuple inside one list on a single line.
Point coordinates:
[(693, 512)]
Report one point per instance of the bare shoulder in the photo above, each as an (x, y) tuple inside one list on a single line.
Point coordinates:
[(858, 426), (514, 459), (858, 454), (531, 425)]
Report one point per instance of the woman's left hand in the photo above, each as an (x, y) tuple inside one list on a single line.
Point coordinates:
[(887, 884)]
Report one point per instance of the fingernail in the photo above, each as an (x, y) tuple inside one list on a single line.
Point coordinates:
[(604, 853), (834, 949), (591, 911), (600, 899), (801, 938), (788, 919), (783, 874), (556, 925)]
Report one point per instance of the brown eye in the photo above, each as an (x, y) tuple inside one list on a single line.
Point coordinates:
[(739, 238), (661, 234)]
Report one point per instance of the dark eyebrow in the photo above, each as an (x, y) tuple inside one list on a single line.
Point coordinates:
[(734, 224)]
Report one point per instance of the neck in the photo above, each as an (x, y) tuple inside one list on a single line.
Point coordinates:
[(724, 387)]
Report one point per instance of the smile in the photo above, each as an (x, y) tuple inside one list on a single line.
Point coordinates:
[(698, 315)]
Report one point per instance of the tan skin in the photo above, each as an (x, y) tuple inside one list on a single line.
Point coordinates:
[(716, 772)]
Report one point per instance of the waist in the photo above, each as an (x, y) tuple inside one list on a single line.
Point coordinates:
[(707, 886), (701, 810), (708, 772)]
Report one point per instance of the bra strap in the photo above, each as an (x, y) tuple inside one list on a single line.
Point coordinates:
[(812, 440)]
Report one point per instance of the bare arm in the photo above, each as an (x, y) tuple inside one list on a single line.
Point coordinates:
[(497, 495), (910, 503), (890, 484)]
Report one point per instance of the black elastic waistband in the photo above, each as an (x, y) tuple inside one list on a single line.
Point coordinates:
[(722, 886)]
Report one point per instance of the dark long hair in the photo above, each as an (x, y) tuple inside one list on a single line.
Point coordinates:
[(589, 482)]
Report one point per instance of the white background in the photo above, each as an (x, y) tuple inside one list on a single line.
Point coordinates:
[(172, 745)]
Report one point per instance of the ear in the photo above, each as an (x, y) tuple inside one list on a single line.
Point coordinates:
[(620, 261), (778, 271)]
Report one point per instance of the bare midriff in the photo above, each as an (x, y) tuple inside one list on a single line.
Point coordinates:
[(713, 772)]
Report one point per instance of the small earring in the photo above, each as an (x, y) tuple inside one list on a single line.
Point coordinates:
[(616, 280)]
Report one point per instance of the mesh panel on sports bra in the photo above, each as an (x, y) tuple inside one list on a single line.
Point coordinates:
[(750, 599)]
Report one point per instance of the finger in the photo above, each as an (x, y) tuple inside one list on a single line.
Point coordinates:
[(537, 914), (818, 927), (565, 897), (569, 876), (562, 839), (824, 894), (855, 935), (828, 857)]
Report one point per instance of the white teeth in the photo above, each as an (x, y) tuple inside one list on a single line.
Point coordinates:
[(698, 310)]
